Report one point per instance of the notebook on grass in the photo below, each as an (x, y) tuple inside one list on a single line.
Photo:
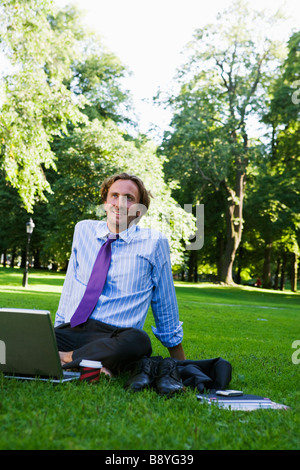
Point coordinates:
[(28, 349), (242, 402)]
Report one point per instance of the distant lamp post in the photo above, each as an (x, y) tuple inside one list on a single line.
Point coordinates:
[(29, 229)]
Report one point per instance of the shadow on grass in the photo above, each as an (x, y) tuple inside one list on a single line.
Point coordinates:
[(14, 277), (23, 292), (46, 280), (43, 292), (237, 294)]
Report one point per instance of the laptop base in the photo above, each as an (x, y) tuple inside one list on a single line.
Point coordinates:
[(67, 377)]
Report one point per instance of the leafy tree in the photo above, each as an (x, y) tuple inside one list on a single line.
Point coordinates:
[(283, 119), (61, 130), (221, 87), (272, 211), (37, 105), (71, 70)]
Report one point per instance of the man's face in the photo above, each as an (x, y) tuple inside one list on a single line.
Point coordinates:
[(121, 197)]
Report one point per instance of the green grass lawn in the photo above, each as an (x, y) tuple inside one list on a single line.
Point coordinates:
[(252, 328)]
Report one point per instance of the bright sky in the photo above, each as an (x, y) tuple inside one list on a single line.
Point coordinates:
[(149, 35)]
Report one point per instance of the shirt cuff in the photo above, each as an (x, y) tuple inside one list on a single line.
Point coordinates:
[(58, 320), (169, 339)]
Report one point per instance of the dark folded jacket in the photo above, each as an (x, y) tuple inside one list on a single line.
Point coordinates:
[(206, 374)]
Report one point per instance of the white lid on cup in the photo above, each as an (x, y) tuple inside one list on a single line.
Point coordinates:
[(91, 364)]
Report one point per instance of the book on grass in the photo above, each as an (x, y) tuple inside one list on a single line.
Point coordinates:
[(241, 402)]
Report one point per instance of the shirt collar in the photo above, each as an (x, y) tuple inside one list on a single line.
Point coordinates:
[(127, 235)]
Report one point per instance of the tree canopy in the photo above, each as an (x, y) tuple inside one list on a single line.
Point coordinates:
[(67, 122), (63, 124), (232, 66)]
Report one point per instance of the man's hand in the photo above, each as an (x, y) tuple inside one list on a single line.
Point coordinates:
[(65, 357)]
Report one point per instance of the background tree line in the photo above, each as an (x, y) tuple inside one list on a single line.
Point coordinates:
[(237, 75), (66, 123)]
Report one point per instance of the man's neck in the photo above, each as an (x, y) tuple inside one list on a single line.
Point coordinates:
[(119, 228)]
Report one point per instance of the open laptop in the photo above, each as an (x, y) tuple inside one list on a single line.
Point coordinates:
[(28, 348)]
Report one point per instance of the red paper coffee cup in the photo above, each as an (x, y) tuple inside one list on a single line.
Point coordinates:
[(90, 370)]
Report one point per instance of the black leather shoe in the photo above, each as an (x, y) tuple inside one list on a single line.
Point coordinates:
[(168, 380), (142, 376)]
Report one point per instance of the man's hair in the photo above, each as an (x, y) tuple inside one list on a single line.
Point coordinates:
[(145, 195)]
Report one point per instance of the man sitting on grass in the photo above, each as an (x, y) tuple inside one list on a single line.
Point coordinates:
[(106, 325)]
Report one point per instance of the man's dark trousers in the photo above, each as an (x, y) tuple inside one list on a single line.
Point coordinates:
[(117, 348)]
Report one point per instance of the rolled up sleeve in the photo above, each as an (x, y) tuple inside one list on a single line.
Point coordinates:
[(70, 295), (168, 328)]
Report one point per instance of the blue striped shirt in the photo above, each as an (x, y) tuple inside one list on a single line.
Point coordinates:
[(139, 276)]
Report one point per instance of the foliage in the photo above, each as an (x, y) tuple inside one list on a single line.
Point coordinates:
[(67, 122), (221, 87), (277, 183), (39, 58), (70, 158)]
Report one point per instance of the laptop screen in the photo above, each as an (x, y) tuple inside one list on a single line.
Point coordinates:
[(27, 343)]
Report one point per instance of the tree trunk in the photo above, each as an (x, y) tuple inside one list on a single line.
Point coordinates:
[(220, 255), (36, 257), (23, 259), (240, 264), (13, 257), (4, 258), (276, 281), (266, 277), (193, 266), (294, 272), (282, 280), (234, 226)]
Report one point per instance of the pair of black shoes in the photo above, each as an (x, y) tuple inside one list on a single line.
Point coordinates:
[(159, 373)]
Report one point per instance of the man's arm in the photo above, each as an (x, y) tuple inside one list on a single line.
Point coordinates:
[(67, 294), (164, 303), (177, 352)]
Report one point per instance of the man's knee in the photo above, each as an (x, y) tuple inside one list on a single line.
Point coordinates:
[(143, 342), (134, 343)]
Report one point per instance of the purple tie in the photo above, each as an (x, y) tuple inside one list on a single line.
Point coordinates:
[(95, 284)]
